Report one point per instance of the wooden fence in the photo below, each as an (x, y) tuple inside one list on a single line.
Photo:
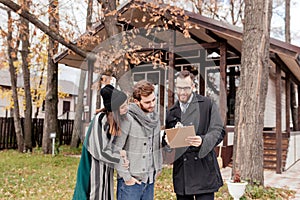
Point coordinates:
[(8, 135)]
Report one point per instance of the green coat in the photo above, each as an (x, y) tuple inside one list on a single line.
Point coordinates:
[(83, 176), (96, 156)]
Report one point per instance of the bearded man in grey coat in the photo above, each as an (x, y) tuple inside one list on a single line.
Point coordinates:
[(141, 140)]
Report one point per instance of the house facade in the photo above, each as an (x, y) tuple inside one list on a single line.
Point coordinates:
[(66, 105), (212, 51)]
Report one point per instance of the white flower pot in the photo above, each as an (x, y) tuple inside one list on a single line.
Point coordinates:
[(236, 190)]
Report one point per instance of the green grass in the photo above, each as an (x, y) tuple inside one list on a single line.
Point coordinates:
[(36, 176)]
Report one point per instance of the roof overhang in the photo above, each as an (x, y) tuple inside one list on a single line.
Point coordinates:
[(206, 30)]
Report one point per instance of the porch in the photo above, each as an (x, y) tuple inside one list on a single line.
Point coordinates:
[(290, 149), (213, 54)]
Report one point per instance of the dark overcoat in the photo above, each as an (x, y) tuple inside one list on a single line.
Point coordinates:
[(195, 169)]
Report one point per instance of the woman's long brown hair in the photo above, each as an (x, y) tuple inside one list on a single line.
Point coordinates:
[(113, 119)]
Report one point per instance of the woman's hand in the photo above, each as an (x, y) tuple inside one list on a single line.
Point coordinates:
[(124, 160), (125, 164)]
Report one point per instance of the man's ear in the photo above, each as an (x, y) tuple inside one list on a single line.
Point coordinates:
[(135, 101), (193, 86)]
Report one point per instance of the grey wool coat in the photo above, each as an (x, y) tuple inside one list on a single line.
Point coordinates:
[(195, 169), (135, 141)]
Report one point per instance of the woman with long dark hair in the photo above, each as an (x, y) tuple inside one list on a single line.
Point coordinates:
[(95, 170)]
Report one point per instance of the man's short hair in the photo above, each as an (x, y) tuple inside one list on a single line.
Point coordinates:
[(185, 73), (142, 88)]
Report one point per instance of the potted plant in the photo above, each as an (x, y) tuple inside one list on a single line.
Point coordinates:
[(236, 186)]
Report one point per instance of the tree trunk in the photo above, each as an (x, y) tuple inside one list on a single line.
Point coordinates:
[(110, 25), (77, 128), (26, 76), (288, 21), (51, 122), (251, 94), (12, 53)]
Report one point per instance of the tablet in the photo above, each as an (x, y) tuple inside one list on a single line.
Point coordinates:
[(176, 136)]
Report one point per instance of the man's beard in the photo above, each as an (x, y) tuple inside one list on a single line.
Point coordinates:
[(144, 109), (187, 97)]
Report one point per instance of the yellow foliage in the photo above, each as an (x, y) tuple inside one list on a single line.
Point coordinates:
[(4, 64), (17, 64), (38, 96), (62, 95), (4, 93)]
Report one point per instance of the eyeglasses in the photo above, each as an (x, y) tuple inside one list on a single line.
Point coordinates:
[(185, 89)]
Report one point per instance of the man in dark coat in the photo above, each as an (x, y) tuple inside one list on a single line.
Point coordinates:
[(196, 173)]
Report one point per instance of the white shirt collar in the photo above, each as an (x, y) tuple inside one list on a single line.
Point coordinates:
[(186, 105)]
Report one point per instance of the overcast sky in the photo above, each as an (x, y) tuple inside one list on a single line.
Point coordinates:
[(295, 16), (278, 22)]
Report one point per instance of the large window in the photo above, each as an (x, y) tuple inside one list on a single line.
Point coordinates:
[(212, 87), (233, 80), (212, 83)]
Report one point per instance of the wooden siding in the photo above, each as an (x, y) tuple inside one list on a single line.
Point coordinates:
[(270, 111)]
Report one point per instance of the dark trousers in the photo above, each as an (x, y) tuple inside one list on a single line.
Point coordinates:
[(206, 196)]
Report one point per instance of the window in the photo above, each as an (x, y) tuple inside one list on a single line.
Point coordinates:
[(233, 80), (212, 87), (212, 83), (66, 106)]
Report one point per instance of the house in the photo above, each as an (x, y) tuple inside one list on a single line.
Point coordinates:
[(5, 84), (213, 53), (66, 105)]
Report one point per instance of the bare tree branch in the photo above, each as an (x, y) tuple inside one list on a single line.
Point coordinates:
[(43, 27)]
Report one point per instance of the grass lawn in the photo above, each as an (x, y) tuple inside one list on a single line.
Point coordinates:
[(36, 176)]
